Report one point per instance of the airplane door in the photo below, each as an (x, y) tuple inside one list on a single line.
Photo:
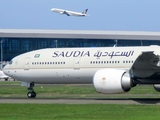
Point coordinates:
[(26, 63), (77, 63)]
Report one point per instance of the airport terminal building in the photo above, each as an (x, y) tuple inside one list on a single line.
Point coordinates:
[(17, 41)]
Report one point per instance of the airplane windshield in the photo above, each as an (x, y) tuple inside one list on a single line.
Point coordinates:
[(10, 62)]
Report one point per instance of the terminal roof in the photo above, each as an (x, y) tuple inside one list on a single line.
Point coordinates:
[(79, 34)]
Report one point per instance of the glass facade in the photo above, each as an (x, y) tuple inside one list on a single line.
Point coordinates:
[(15, 46)]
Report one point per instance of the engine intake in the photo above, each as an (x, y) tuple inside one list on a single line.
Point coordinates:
[(112, 81), (157, 87)]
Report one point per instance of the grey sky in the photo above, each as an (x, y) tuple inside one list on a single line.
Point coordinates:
[(126, 15)]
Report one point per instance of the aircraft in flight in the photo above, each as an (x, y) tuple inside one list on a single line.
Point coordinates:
[(109, 69), (70, 13)]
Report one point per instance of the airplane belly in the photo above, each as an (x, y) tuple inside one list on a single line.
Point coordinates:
[(56, 76)]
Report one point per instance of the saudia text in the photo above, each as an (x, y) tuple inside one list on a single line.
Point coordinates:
[(97, 54)]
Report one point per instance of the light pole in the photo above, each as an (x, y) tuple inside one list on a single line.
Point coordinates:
[(1, 53), (56, 42), (116, 41)]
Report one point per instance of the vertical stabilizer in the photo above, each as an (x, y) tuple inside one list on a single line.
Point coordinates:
[(85, 12)]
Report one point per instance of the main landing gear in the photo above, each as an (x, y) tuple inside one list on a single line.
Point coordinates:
[(31, 93)]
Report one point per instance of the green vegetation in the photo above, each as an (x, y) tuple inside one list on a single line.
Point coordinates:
[(75, 111), (78, 112), (14, 89), (10, 83)]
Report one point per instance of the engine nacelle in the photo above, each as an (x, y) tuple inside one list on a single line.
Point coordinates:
[(157, 87), (61, 13), (112, 81)]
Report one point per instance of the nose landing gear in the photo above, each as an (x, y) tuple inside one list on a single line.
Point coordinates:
[(31, 93)]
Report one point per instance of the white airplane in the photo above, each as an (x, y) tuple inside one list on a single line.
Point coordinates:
[(3, 76), (110, 69), (69, 13)]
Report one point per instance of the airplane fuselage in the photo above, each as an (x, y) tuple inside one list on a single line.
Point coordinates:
[(71, 65), (67, 12)]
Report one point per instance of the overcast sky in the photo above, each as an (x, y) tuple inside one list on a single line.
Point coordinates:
[(125, 15)]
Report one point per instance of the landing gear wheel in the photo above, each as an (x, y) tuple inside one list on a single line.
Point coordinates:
[(31, 94), (34, 94)]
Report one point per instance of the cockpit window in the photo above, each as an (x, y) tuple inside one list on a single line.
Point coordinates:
[(10, 62)]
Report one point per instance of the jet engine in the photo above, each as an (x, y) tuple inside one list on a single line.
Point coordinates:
[(157, 87), (61, 13), (112, 81)]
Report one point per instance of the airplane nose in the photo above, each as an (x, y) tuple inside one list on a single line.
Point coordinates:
[(52, 9), (5, 71)]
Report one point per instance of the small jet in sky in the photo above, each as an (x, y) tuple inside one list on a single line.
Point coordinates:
[(70, 13)]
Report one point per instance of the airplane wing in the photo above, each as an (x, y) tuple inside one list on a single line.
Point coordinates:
[(146, 66), (65, 12)]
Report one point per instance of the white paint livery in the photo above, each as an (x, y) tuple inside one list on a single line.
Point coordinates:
[(70, 13), (111, 69)]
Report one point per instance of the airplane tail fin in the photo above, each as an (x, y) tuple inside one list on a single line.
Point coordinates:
[(85, 12)]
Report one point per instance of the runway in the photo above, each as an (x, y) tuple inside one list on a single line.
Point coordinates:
[(138, 101)]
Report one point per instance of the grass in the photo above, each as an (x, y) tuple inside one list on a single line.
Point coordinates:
[(75, 111), (78, 112), (10, 83), (14, 89)]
